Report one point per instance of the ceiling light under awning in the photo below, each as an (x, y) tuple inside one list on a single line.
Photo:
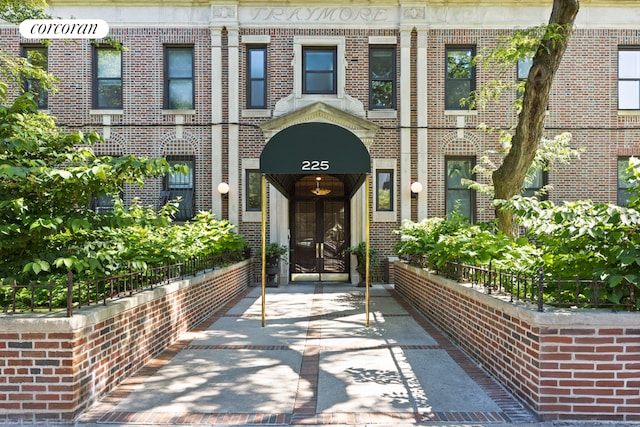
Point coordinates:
[(320, 191)]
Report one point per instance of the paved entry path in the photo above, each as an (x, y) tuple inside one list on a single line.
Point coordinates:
[(315, 363)]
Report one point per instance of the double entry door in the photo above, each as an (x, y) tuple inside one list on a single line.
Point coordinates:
[(319, 240)]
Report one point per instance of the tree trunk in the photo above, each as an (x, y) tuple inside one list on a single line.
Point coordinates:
[(508, 179)]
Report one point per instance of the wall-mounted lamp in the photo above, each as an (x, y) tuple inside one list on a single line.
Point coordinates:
[(416, 187), (223, 189)]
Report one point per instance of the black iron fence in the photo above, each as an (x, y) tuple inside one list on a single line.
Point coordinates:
[(539, 290), (70, 293)]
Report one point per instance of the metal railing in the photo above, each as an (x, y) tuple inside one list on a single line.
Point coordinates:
[(540, 290), (53, 296)]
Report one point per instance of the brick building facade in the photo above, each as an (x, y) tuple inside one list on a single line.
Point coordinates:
[(211, 84)]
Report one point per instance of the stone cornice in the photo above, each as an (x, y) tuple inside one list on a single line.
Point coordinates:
[(476, 14), (321, 112)]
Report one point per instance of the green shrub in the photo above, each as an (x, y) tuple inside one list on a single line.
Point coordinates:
[(438, 241), (576, 241)]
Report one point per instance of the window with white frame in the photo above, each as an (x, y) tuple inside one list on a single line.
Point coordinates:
[(384, 190), (384, 184), (256, 77), (323, 50), (319, 70), (629, 78), (253, 190)]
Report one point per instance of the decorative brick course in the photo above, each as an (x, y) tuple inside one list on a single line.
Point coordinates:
[(565, 365), (69, 363)]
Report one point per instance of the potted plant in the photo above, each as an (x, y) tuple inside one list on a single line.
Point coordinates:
[(360, 251), (274, 252)]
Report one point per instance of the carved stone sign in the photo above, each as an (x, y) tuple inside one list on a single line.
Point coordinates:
[(319, 15)]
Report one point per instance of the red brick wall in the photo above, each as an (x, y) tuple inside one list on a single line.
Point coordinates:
[(569, 365), (53, 367)]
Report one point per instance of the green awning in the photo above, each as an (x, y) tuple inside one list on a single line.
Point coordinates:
[(314, 149)]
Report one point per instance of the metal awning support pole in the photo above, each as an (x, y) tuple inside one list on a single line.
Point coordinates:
[(367, 264), (263, 189)]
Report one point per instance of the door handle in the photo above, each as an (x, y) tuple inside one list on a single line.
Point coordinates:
[(319, 250)]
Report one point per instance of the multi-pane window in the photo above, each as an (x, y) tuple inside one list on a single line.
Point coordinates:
[(319, 67), (179, 77), (459, 196), (37, 57), (253, 190), (535, 184), (384, 190), (257, 77), (460, 79), (181, 185), (624, 177), (107, 82), (382, 76), (629, 79)]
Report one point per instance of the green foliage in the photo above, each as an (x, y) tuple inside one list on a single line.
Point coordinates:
[(419, 239), (17, 11), (585, 239), (47, 181), (437, 241), (360, 251), (551, 153), (520, 45), (14, 69), (274, 249), (578, 240), (141, 241), (632, 175)]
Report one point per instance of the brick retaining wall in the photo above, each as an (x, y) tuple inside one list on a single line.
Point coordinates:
[(564, 364), (54, 367)]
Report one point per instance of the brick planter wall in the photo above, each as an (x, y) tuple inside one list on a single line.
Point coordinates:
[(54, 367), (564, 364)]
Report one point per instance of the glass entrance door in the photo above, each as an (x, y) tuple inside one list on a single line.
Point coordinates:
[(319, 239)]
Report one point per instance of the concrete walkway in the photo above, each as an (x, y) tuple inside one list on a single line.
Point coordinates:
[(315, 363)]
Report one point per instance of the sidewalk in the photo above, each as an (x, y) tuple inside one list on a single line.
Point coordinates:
[(315, 363)]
